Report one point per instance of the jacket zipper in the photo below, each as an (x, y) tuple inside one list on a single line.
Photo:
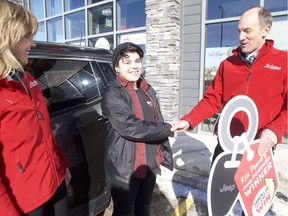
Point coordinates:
[(249, 74), (39, 116), (49, 150), (19, 165), (248, 78)]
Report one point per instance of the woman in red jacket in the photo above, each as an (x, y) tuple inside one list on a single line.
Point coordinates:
[(32, 166)]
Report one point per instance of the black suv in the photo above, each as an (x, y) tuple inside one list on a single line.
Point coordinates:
[(73, 79)]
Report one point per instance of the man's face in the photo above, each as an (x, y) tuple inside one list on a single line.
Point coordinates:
[(251, 34)]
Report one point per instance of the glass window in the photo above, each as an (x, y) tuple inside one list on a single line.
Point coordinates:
[(278, 33), (105, 42), (55, 29), (134, 37), (94, 1), (217, 9), (53, 76), (77, 42), (37, 8), (130, 14), (53, 7), (276, 5), (72, 4), (75, 25), (221, 39), (40, 35), (222, 35), (86, 83), (25, 3), (106, 73), (100, 19), (70, 82)]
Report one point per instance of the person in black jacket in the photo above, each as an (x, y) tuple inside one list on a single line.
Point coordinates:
[(137, 141)]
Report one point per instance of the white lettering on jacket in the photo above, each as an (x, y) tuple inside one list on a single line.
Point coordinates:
[(272, 67), (33, 83)]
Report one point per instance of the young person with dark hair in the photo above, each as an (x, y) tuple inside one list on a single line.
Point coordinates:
[(137, 141)]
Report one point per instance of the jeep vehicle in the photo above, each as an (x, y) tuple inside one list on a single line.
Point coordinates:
[(73, 79)]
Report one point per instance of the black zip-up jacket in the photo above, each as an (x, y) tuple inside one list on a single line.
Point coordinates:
[(125, 130)]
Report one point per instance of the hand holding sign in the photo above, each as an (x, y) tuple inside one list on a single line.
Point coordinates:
[(222, 189)]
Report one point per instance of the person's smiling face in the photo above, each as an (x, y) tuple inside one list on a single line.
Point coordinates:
[(22, 48), (130, 67), (251, 33)]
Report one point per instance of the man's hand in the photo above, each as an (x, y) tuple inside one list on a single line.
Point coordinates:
[(175, 132), (267, 140), (180, 125)]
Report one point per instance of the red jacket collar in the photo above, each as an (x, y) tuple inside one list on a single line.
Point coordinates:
[(268, 44), (141, 82)]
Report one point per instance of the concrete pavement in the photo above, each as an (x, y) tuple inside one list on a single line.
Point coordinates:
[(192, 155)]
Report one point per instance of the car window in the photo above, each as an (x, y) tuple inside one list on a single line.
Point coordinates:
[(104, 74), (107, 73), (67, 82), (86, 83)]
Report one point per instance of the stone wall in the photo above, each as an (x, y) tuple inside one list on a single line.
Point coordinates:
[(163, 53)]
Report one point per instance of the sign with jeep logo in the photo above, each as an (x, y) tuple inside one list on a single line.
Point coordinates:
[(239, 173)]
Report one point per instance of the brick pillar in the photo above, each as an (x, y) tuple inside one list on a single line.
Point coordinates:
[(163, 53)]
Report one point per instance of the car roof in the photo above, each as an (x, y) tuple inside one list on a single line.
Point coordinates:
[(67, 50)]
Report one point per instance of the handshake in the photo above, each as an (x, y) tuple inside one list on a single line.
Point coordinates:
[(268, 138), (178, 126)]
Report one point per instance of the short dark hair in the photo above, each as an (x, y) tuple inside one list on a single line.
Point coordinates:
[(121, 50)]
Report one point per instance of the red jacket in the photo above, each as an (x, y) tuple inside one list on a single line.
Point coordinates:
[(265, 82), (31, 163)]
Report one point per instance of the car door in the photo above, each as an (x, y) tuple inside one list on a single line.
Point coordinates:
[(72, 89)]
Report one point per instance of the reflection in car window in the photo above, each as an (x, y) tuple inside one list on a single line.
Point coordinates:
[(67, 82), (85, 83)]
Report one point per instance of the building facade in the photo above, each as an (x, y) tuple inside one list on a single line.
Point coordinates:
[(184, 40)]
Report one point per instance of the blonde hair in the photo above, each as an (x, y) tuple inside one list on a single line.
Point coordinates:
[(16, 22)]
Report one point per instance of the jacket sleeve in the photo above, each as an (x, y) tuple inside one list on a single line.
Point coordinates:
[(122, 118), (7, 207), (209, 104), (279, 124)]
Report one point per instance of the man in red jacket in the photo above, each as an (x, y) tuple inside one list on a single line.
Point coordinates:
[(32, 166), (264, 80)]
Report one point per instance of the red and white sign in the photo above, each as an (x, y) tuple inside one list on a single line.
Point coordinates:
[(257, 182), (236, 176)]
